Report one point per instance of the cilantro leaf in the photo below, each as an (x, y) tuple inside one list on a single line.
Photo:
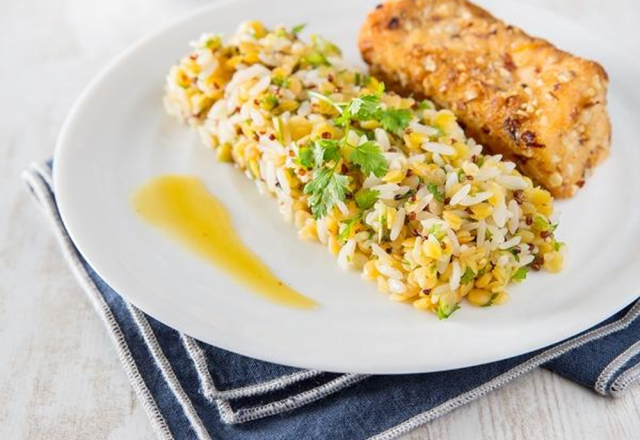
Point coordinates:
[(305, 157), (493, 298), (467, 276), (395, 120), (348, 227), (370, 159), (540, 223), (365, 107), (436, 231), (326, 150), (316, 59), (269, 102), (426, 105), (298, 28), (280, 82), (445, 310), (366, 198), (433, 189), (515, 252), (325, 47), (362, 108), (325, 189), (520, 274)]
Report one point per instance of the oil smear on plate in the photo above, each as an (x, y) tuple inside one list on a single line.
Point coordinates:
[(181, 207)]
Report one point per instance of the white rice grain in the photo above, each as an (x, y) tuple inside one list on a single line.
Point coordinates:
[(456, 274), (475, 199), (512, 182), (388, 271), (460, 194), (437, 147), (345, 256), (510, 243), (397, 225)]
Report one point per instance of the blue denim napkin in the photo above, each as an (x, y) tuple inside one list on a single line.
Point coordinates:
[(192, 390)]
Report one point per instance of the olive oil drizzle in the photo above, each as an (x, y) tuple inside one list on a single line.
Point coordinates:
[(183, 208)]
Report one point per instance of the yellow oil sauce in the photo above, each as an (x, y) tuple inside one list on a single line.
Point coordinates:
[(181, 207)]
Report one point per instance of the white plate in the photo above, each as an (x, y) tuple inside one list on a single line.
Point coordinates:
[(118, 137)]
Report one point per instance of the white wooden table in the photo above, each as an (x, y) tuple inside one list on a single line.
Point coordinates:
[(59, 376)]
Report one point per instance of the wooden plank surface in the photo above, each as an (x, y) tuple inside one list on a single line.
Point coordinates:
[(59, 376)]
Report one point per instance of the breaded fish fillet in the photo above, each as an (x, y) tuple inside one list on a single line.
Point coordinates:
[(518, 95)]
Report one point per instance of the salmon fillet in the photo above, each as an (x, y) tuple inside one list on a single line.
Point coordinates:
[(519, 96)]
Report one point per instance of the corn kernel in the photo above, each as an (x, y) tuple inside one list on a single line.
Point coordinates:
[(420, 169), (543, 246), (481, 211), (409, 242), (541, 199), (223, 152), (256, 28), (464, 236), (373, 85), (484, 280), (332, 225), (295, 85), (251, 152), (417, 138), (383, 285), (247, 46), (237, 151), (299, 127), (497, 196), (288, 105), (300, 218), (394, 176), (308, 231), (280, 72), (251, 57), (499, 273), (422, 304), (234, 61), (358, 261), (333, 245), (327, 87), (526, 236), (322, 128), (326, 108), (462, 149), (452, 219), (191, 67), (500, 298), (431, 248), (553, 261), (444, 119), (370, 271), (370, 125), (479, 297), (182, 79)]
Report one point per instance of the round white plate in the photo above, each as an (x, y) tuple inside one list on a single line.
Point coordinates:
[(118, 137)]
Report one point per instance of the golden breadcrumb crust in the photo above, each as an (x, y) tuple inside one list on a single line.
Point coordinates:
[(517, 95)]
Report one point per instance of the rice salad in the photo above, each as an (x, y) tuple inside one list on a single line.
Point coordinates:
[(389, 184)]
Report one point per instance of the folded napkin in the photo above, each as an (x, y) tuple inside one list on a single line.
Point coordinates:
[(192, 390)]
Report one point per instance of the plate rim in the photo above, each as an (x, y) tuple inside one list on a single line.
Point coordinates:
[(147, 306)]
